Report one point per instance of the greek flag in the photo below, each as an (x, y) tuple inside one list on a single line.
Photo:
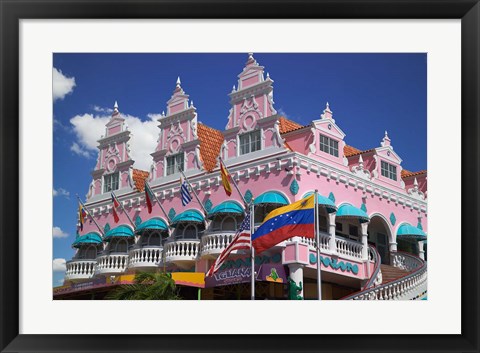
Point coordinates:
[(186, 197)]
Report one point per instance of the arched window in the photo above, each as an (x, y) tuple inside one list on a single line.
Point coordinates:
[(229, 223), (91, 252), (121, 246), (190, 232)]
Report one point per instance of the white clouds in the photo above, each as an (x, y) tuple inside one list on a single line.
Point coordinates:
[(102, 110), (143, 139), (59, 265), (62, 85), (75, 148), (61, 192), (59, 233)]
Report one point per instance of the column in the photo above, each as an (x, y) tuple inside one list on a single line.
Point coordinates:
[(421, 252), (393, 247), (296, 274), (365, 241), (332, 244)]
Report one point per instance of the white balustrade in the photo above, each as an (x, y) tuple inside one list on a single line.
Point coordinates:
[(405, 262), (410, 287), (111, 263), (181, 251), (349, 248), (78, 269), (149, 256), (214, 243)]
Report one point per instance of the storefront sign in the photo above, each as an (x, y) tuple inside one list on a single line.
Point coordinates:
[(335, 264), (240, 271)]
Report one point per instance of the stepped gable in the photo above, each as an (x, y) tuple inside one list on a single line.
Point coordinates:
[(211, 141), (139, 178), (407, 173), (287, 125)]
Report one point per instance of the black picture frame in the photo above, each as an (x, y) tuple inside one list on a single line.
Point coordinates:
[(12, 11)]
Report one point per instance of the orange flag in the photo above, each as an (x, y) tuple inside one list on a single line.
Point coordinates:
[(225, 179)]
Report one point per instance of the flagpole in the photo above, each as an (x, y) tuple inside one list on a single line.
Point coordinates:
[(158, 201), (88, 212), (191, 188), (317, 237), (252, 250), (234, 182), (124, 211)]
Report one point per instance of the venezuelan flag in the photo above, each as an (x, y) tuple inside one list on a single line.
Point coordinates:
[(285, 222)]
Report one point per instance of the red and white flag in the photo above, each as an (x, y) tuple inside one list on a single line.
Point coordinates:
[(116, 204), (240, 241)]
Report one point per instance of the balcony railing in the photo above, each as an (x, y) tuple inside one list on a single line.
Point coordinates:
[(212, 244), (345, 247), (78, 269), (111, 264), (182, 252), (146, 257)]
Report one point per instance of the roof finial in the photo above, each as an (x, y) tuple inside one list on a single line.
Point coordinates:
[(191, 103), (360, 161), (115, 108), (328, 106), (233, 88), (178, 81), (386, 140)]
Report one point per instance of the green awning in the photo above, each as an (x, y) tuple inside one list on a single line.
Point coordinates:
[(271, 197), (323, 201), (153, 224), (89, 238), (407, 231), (347, 210), (193, 216), (120, 231), (226, 207)]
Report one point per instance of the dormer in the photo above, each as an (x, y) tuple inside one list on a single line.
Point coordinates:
[(178, 145), (388, 169), (252, 123), (112, 170), (328, 142)]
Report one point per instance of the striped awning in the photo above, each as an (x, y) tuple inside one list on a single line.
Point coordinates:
[(226, 207), (153, 224), (89, 238), (407, 231), (193, 216), (349, 211), (323, 201), (271, 197), (120, 231)]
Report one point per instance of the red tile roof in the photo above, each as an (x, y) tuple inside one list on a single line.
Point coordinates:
[(407, 173), (139, 177), (211, 141), (287, 125), (350, 151)]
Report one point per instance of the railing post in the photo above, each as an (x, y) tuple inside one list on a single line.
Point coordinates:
[(421, 252), (365, 241), (332, 244)]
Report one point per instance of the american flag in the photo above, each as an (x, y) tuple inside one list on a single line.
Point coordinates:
[(185, 194), (240, 241)]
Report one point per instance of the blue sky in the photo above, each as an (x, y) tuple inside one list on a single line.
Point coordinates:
[(368, 94)]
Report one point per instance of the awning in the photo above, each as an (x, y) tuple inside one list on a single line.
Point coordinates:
[(193, 216), (120, 231), (348, 210), (407, 231), (323, 201), (271, 197), (153, 224), (89, 238), (226, 207), (190, 279)]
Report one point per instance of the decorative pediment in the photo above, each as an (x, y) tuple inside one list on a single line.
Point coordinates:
[(249, 114), (388, 154), (415, 192), (360, 171)]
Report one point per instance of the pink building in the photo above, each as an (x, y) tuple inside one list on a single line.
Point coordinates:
[(371, 240)]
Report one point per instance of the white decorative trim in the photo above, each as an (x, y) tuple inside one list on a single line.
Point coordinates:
[(360, 171), (197, 158), (312, 147), (415, 192)]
